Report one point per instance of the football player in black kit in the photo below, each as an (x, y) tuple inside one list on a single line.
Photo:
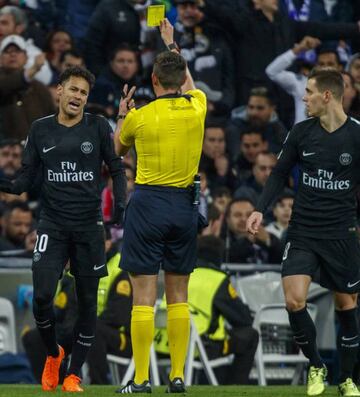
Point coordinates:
[(322, 230), (69, 148)]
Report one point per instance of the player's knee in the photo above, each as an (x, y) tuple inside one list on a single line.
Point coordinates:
[(42, 299), (294, 304)]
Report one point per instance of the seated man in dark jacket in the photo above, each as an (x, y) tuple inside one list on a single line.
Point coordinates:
[(212, 301), (241, 246)]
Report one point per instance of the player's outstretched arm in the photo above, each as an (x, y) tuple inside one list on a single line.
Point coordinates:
[(253, 222)]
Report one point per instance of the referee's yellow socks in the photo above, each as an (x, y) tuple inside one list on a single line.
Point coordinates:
[(178, 328), (142, 335)]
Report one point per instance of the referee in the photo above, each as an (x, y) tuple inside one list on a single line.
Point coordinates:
[(162, 218), (69, 149)]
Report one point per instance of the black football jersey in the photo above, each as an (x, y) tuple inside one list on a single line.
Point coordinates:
[(325, 203), (70, 159)]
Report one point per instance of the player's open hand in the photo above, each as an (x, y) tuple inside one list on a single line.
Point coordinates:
[(254, 221)]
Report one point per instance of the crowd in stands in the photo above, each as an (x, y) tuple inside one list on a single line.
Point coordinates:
[(250, 57)]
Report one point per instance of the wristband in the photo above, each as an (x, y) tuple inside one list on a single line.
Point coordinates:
[(120, 117), (173, 46)]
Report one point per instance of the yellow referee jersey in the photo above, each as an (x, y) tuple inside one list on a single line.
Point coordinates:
[(168, 135)]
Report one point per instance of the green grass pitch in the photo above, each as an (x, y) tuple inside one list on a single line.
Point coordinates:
[(198, 391)]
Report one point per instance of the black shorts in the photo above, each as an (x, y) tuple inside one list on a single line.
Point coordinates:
[(338, 261), (160, 231), (85, 250)]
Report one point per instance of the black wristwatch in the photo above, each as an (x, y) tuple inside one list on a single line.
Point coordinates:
[(173, 46), (120, 116)]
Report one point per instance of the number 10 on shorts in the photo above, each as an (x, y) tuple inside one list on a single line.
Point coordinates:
[(41, 243)]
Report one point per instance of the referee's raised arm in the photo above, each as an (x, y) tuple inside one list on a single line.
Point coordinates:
[(167, 34)]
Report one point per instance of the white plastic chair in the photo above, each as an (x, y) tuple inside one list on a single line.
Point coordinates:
[(272, 323), (202, 361), (7, 327)]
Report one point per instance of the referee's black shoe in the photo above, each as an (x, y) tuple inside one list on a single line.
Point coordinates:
[(177, 385), (132, 387)]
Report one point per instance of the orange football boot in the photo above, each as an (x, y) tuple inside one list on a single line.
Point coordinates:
[(72, 384), (50, 375)]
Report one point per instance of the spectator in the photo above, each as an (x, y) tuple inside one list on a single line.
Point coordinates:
[(58, 41), (16, 226), (113, 22), (205, 47), (261, 33), (241, 246), (293, 83), (214, 161), (71, 58), (318, 10), (13, 21), (328, 58), (22, 99), (123, 69), (10, 157), (254, 184), (351, 101), (213, 300), (282, 213), (259, 114), (252, 142), (353, 67)]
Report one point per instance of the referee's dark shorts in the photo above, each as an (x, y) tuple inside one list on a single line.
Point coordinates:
[(160, 230)]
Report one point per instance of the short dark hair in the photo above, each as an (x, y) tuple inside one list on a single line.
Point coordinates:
[(325, 50), (16, 204), (10, 142), (170, 69), (125, 47), (263, 92), (286, 194), (220, 192), (239, 199), (73, 52), (250, 131), (77, 71), (328, 79)]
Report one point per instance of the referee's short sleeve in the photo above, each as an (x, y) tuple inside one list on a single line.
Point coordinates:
[(128, 129), (199, 96)]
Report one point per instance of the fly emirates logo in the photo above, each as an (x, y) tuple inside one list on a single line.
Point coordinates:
[(70, 174), (324, 180)]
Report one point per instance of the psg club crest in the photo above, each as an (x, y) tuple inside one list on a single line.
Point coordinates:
[(86, 147), (345, 159)]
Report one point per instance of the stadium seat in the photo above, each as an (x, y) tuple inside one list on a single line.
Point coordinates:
[(201, 360), (7, 327), (115, 361), (197, 358), (277, 356)]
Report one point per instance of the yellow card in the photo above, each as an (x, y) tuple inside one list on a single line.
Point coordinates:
[(155, 14)]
